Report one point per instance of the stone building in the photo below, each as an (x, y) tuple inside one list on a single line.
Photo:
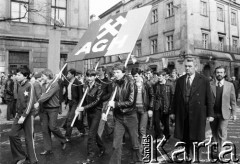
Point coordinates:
[(207, 29), (26, 27)]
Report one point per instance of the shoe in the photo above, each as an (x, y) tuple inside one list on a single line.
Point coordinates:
[(101, 153), (88, 161), (46, 152), (21, 161), (64, 145)]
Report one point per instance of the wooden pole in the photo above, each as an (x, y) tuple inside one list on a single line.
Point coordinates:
[(85, 93), (80, 104), (59, 74)]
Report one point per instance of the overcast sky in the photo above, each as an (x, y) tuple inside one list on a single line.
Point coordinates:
[(97, 7)]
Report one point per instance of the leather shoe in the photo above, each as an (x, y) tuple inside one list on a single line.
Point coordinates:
[(101, 153), (46, 152), (88, 161), (64, 145)]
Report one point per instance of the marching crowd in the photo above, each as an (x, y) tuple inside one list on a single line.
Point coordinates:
[(143, 100)]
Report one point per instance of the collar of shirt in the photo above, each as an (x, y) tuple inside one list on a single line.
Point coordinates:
[(221, 82), (72, 80), (191, 77), (23, 82), (91, 85)]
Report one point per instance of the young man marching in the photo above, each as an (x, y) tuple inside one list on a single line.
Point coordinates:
[(74, 93), (125, 115), (24, 120), (144, 101), (93, 106), (164, 92), (51, 106)]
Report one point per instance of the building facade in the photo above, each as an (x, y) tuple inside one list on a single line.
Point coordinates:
[(207, 29), (26, 27)]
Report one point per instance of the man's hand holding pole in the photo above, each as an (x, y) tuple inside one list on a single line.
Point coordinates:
[(79, 108)]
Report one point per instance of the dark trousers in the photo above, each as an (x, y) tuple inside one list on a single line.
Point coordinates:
[(78, 123), (93, 137), (49, 125), (10, 110), (123, 123), (165, 121), (156, 123), (15, 141)]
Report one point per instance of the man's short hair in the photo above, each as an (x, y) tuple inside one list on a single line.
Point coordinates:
[(119, 67), (162, 72), (24, 71), (91, 72), (72, 71), (48, 73), (220, 67), (191, 59), (37, 75), (148, 69), (136, 71), (104, 69)]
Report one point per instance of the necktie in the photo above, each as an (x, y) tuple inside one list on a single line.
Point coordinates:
[(188, 83), (219, 84)]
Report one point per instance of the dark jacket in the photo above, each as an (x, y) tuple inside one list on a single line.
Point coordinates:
[(125, 99), (163, 101), (25, 99), (9, 88), (76, 90), (92, 100), (51, 98), (147, 96), (199, 107), (106, 87)]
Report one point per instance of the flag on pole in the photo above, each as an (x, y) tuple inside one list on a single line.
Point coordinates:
[(112, 35)]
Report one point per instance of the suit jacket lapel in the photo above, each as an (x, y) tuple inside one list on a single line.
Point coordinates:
[(183, 85), (213, 86), (195, 84)]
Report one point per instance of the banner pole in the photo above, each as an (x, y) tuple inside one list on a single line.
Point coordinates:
[(128, 57), (59, 74), (80, 104), (84, 95)]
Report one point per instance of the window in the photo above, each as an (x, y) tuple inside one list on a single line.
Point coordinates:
[(169, 42), (234, 18), (139, 49), (203, 8), (19, 10), (154, 16), (235, 44), (59, 11), (220, 14), (221, 43), (205, 40), (170, 11), (154, 46)]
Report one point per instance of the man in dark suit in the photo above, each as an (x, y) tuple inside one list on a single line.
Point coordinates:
[(74, 93), (192, 105), (224, 102)]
